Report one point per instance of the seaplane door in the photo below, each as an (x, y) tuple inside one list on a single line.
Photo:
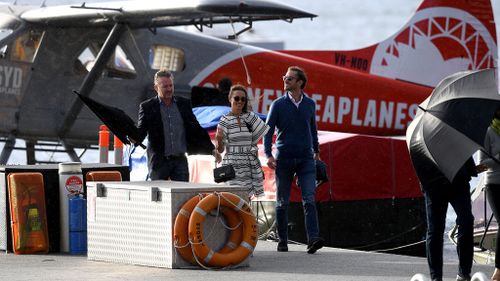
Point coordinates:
[(16, 59)]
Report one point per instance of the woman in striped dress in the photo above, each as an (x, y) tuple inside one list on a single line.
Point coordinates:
[(238, 133)]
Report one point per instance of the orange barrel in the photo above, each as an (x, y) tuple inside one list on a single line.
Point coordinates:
[(103, 144), (118, 152), (103, 176), (70, 184), (28, 215)]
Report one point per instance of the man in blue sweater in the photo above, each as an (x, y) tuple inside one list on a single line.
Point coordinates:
[(294, 117)]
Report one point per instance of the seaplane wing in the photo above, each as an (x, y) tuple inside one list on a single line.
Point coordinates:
[(107, 50), (160, 13)]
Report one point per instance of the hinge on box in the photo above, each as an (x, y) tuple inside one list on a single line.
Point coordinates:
[(155, 194), (100, 190)]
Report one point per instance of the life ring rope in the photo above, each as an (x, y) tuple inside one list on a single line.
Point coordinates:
[(207, 267), (210, 255), (229, 256), (237, 207), (231, 228), (176, 245), (204, 214)]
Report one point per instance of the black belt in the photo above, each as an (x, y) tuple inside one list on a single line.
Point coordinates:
[(175, 157)]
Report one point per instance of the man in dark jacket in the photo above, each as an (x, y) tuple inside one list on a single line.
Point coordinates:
[(172, 131)]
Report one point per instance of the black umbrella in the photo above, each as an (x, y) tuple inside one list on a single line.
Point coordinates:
[(118, 122), (450, 125)]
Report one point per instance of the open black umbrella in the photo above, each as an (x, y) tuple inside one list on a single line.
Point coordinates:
[(118, 122), (450, 125)]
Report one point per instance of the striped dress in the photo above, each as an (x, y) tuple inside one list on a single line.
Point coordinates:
[(240, 141)]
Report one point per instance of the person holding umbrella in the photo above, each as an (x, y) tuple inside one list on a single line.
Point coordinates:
[(172, 130), (448, 128), (437, 194), (492, 178)]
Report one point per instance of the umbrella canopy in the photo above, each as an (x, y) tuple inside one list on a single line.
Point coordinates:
[(450, 125), (118, 122)]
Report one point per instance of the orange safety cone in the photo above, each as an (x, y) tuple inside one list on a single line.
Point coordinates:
[(103, 144), (118, 152)]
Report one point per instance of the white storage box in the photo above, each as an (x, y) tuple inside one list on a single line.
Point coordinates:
[(132, 222)]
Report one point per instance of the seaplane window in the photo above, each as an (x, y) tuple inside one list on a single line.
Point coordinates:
[(3, 51), (4, 33), (26, 46), (119, 65), (85, 61), (7, 26), (162, 56)]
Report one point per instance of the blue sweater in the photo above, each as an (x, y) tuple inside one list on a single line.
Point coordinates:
[(297, 136)]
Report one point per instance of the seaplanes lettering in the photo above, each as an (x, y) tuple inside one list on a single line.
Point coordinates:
[(366, 113), (351, 111), (10, 80)]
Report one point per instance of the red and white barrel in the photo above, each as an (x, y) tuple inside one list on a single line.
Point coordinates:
[(70, 184), (103, 144), (118, 150)]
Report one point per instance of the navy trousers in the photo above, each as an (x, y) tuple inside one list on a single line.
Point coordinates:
[(437, 198)]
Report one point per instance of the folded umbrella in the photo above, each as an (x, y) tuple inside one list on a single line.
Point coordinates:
[(450, 125), (118, 122)]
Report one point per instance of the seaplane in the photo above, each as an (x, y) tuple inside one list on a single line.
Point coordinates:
[(109, 51)]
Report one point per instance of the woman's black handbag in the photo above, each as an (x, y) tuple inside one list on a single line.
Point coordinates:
[(224, 173)]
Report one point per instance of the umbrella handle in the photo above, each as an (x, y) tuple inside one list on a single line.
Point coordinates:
[(421, 108), (491, 156), (132, 141), (135, 143)]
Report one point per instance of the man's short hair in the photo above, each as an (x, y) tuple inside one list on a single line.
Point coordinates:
[(163, 73), (301, 75)]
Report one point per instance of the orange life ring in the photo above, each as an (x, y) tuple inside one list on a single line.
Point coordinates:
[(250, 233), (181, 239)]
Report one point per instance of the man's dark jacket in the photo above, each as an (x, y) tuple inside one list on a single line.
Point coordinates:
[(150, 123)]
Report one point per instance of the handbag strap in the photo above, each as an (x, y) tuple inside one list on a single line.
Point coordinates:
[(249, 127)]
